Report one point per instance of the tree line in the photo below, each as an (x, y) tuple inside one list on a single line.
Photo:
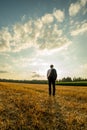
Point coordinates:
[(65, 79), (69, 79)]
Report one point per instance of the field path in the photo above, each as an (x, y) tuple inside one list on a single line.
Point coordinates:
[(56, 119)]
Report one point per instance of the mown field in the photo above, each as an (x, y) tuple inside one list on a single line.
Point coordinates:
[(29, 107)]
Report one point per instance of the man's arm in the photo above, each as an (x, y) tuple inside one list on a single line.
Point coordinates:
[(55, 74), (48, 73)]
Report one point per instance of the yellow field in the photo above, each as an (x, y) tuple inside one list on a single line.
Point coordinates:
[(29, 107)]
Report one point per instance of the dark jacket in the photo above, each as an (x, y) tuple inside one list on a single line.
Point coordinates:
[(53, 74)]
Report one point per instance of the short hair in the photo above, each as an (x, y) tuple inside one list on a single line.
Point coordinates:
[(51, 66)]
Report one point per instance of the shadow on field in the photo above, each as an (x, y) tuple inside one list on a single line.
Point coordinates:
[(56, 119)]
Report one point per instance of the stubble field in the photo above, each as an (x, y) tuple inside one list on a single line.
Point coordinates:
[(29, 107)]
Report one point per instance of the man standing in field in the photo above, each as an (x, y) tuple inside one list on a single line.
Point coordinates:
[(51, 76)]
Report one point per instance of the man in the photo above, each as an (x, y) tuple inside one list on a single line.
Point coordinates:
[(51, 76)]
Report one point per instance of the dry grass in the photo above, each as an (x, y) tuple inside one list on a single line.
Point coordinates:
[(28, 107)]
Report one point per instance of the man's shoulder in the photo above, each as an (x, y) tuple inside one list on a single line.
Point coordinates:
[(54, 69), (49, 69)]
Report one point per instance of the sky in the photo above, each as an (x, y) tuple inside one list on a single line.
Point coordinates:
[(37, 33)]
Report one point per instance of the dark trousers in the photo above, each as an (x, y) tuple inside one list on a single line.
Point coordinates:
[(51, 86)]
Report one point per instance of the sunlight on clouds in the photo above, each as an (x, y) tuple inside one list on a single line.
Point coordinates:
[(39, 24), (59, 15), (51, 38), (25, 62), (83, 2), (76, 7), (48, 18), (41, 33), (30, 65), (28, 27), (79, 29), (5, 38), (21, 38), (52, 35)]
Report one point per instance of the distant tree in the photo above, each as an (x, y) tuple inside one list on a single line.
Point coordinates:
[(78, 79), (68, 79)]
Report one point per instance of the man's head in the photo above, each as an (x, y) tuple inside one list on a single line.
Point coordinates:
[(51, 66)]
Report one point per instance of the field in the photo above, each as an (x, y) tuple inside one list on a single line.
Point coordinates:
[(29, 107)]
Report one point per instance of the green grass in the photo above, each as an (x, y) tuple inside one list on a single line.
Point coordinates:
[(80, 83)]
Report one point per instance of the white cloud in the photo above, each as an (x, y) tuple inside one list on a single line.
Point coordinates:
[(23, 36), (41, 33), (39, 24), (83, 2), (36, 75), (48, 18), (59, 15), (76, 7), (51, 37), (80, 28), (5, 38)]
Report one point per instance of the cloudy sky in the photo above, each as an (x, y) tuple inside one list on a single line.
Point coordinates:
[(37, 33)]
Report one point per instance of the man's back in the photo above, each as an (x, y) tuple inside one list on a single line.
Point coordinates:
[(53, 74)]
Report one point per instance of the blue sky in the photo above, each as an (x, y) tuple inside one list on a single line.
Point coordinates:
[(37, 33)]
